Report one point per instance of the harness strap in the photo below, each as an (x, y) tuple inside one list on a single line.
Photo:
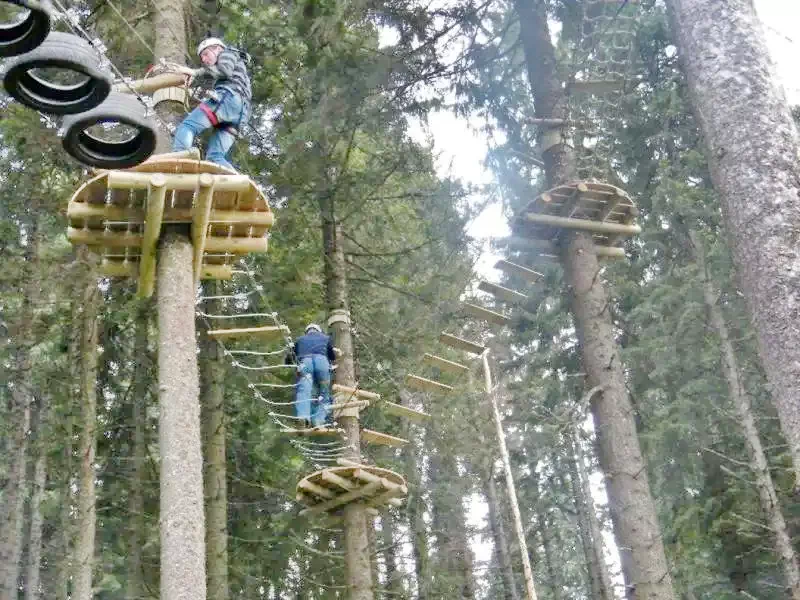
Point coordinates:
[(212, 116)]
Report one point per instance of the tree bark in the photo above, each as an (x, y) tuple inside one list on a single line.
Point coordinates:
[(135, 581), (632, 506), (394, 578), (33, 572), (86, 500), (356, 540), (547, 551), (500, 539), (213, 405), (183, 573), (752, 147), (741, 401)]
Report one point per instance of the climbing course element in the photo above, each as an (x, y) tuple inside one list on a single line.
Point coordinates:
[(62, 76), (426, 385), (461, 344), (24, 35), (399, 410), (266, 333), (444, 365), (485, 314), (330, 489), (119, 214), (523, 272), (90, 139), (382, 439), (502, 293)]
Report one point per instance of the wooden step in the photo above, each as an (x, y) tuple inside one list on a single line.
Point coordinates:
[(501, 293), (262, 333), (444, 364), (519, 270), (382, 439), (357, 392), (485, 314), (426, 385), (403, 411), (461, 344)]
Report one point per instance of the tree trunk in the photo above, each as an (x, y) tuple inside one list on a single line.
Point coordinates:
[(590, 531), (183, 573), (394, 578), (33, 573), (213, 411), (632, 506), (741, 401), (356, 540), (501, 546), (135, 581), (752, 146), (86, 500)]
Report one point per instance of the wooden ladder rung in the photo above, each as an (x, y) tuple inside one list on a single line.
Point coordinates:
[(403, 411), (461, 344), (514, 269), (487, 315), (444, 364), (426, 385), (501, 293), (262, 333), (382, 439), (357, 392)]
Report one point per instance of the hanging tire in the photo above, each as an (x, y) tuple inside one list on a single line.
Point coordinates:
[(91, 149), (69, 56), (24, 35)]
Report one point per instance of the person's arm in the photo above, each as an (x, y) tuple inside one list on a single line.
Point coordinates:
[(226, 65), (331, 352), (291, 356)]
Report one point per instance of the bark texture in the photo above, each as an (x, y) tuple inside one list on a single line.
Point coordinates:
[(632, 506), (33, 577), (500, 539), (394, 577), (183, 573), (356, 540), (752, 147), (86, 499), (758, 459), (169, 23)]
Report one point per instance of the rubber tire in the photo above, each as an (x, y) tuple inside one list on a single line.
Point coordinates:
[(118, 107), (24, 37), (66, 51)]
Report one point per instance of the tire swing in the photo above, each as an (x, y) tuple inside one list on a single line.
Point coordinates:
[(62, 76), (115, 135), (26, 32)]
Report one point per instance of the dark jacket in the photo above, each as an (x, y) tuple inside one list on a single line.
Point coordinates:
[(230, 73), (311, 343)]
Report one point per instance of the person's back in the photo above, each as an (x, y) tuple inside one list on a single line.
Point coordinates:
[(313, 353), (313, 342), (230, 73)]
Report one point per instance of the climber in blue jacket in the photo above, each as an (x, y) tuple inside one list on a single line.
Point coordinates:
[(314, 354)]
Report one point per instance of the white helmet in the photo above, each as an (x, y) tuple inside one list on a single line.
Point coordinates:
[(313, 326), (208, 42)]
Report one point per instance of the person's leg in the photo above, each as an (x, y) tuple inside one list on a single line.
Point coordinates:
[(219, 145), (229, 111), (305, 382), (195, 123), (322, 375)]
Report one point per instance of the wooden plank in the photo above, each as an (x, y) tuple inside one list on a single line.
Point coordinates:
[(131, 180), (583, 224), (346, 498), (573, 202), (520, 271), (201, 213), (262, 333), (444, 364), (611, 204), (399, 410), (359, 404), (236, 245), (122, 239), (152, 231), (485, 314), (118, 268), (460, 344), (313, 432), (358, 392), (337, 480), (127, 214), (501, 293), (384, 498), (315, 489), (382, 439), (426, 385), (150, 84)]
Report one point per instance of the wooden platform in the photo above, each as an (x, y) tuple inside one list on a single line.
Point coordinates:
[(334, 487), (606, 211), (314, 432), (119, 214)]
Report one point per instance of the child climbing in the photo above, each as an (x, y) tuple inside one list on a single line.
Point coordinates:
[(227, 106), (313, 354)]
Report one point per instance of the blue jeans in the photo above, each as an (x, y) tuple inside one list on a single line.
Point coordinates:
[(230, 110), (313, 369)]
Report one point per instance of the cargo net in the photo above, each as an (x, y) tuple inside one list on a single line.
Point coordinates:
[(602, 69)]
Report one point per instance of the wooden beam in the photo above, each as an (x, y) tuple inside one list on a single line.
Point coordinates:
[(261, 333), (485, 314), (426, 385), (337, 480), (126, 214), (583, 224), (444, 364), (357, 392), (152, 231), (132, 180), (460, 344), (573, 202), (346, 498), (150, 84), (317, 490), (609, 251), (314, 431), (349, 409), (403, 411), (384, 498), (111, 239), (236, 245), (609, 207), (501, 293), (118, 268), (201, 212), (382, 439), (518, 270)]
